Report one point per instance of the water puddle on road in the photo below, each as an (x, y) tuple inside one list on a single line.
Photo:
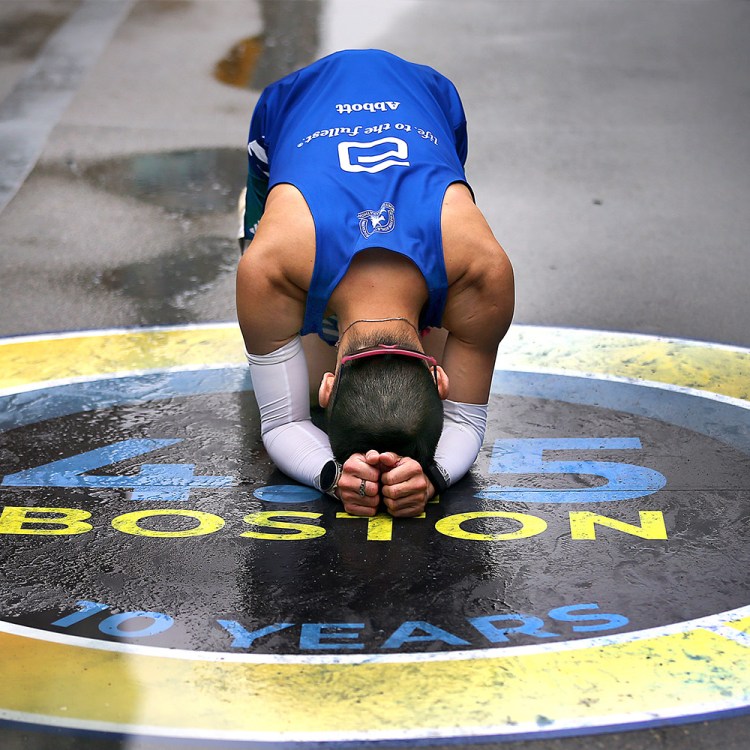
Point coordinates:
[(290, 40), (165, 288), (191, 186), (190, 182)]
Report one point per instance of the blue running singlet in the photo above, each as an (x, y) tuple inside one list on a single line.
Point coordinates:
[(372, 142)]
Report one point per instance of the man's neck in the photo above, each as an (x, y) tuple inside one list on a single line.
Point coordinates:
[(379, 285)]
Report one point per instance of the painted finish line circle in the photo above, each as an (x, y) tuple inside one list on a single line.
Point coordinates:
[(677, 664)]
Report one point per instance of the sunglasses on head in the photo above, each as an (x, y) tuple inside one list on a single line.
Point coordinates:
[(374, 351)]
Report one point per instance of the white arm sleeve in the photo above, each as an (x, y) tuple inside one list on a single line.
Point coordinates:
[(461, 440), (282, 389)]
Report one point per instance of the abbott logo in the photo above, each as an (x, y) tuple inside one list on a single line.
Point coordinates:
[(373, 156)]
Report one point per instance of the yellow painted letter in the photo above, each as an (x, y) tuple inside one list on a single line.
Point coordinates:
[(379, 526), (208, 523), (54, 522), (530, 526), (583, 525), (266, 520)]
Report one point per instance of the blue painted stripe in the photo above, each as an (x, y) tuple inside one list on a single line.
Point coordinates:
[(20, 409), (35, 105), (456, 740), (705, 415)]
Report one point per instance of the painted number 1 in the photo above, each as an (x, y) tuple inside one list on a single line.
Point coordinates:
[(527, 456)]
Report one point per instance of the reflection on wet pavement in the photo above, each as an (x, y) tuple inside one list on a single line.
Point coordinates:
[(238, 66), (290, 39), (23, 30), (188, 183), (165, 288), (191, 186)]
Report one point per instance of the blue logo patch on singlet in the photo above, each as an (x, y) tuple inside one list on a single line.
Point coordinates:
[(382, 220)]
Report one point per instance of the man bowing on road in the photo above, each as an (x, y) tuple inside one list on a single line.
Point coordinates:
[(371, 270)]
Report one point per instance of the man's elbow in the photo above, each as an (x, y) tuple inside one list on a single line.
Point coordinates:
[(497, 297)]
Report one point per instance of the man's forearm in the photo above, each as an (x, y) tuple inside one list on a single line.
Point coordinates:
[(300, 450), (460, 442), (281, 387)]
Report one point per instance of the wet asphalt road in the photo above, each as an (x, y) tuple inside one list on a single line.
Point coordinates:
[(609, 149)]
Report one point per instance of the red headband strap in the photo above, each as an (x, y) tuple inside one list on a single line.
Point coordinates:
[(374, 351)]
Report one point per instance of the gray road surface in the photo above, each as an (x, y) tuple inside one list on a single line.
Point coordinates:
[(609, 148)]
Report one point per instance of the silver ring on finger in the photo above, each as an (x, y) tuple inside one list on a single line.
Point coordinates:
[(362, 487)]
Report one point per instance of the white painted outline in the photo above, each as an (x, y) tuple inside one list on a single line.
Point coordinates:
[(714, 623), (227, 325), (684, 390), (117, 375), (24, 338)]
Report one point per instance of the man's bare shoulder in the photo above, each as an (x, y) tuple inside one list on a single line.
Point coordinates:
[(469, 246), (480, 276), (275, 271), (285, 241), (480, 297)]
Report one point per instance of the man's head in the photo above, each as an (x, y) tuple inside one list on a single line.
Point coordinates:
[(388, 402)]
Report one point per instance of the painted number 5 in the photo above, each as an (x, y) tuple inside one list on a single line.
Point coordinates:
[(526, 456)]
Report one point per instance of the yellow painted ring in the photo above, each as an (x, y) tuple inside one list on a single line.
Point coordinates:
[(691, 669)]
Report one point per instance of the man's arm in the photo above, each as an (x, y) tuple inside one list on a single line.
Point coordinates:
[(271, 279), (270, 306), (478, 313)]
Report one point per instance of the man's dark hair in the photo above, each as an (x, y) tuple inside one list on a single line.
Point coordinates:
[(385, 403)]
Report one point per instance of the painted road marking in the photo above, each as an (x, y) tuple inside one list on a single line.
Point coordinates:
[(30, 111), (687, 670)]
